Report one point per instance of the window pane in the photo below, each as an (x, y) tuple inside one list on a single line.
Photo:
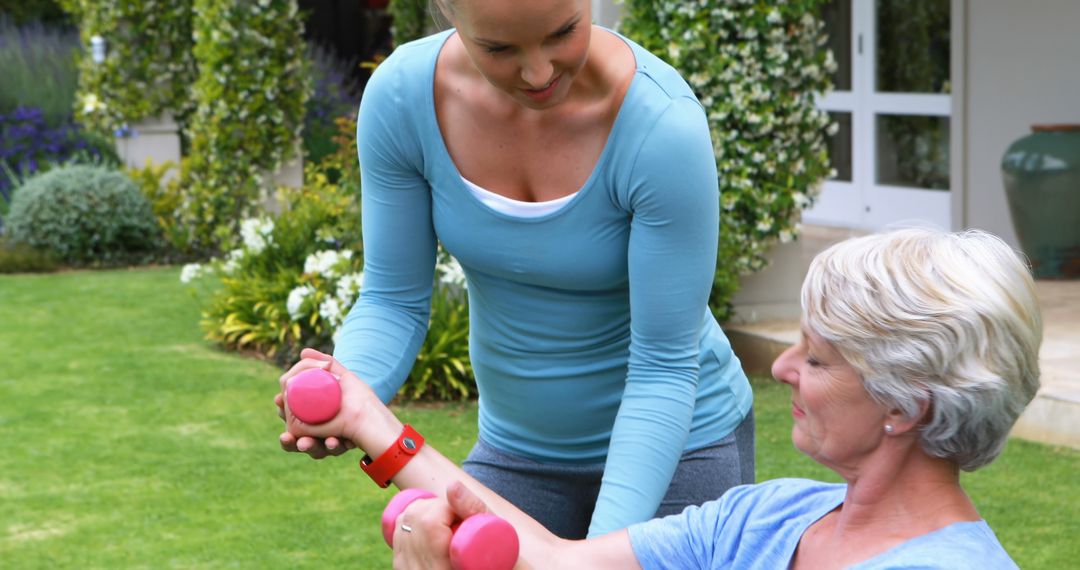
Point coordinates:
[(840, 146), (913, 151), (913, 46), (837, 17)]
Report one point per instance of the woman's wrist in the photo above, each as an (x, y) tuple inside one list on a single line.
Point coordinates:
[(373, 428)]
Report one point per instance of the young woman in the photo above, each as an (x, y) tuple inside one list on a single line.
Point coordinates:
[(571, 173)]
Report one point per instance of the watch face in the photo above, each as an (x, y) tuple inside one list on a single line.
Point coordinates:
[(408, 443)]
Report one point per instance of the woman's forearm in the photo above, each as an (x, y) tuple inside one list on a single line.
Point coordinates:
[(373, 427)]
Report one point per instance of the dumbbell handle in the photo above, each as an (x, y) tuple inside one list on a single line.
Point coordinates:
[(314, 396), (481, 542)]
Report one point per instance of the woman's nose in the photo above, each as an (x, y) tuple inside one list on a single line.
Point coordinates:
[(536, 71), (783, 368)]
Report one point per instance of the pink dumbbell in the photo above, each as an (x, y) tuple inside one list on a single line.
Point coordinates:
[(314, 396), (481, 542)]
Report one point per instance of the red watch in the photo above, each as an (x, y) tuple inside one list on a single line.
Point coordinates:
[(383, 468)]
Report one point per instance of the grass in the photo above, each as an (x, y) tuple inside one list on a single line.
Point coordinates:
[(131, 443)]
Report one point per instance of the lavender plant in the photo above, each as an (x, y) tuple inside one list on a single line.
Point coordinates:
[(335, 93), (37, 64), (28, 144)]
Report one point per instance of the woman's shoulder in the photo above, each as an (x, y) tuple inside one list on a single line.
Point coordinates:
[(410, 68), (657, 72), (790, 494)]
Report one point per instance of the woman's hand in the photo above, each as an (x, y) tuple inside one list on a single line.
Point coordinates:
[(362, 417), (427, 545)]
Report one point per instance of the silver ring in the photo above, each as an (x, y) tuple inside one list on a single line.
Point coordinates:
[(405, 528)]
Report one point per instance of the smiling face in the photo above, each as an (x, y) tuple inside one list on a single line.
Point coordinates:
[(532, 51), (836, 421)]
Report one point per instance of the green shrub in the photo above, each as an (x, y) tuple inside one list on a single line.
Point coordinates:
[(148, 68), (249, 96), (23, 11), (295, 276), (411, 19), (84, 214), (443, 369), (21, 258), (756, 68), (257, 301), (166, 197)]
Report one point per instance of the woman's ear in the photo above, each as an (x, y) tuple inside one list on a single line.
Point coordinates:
[(900, 423)]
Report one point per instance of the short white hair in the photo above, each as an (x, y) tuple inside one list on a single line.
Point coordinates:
[(950, 319)]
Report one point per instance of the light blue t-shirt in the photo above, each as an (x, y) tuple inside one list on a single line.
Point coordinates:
[(759, 526), (590, 334)]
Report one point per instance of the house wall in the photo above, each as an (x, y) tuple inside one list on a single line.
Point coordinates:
[(1022, 68)]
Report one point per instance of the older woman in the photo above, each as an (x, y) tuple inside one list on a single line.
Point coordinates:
[(918, 351)]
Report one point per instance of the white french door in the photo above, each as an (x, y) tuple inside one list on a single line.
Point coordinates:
[(892, 104)]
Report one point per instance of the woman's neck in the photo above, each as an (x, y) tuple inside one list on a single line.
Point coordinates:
[(899, 495)]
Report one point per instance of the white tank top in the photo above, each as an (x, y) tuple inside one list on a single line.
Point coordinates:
[(517, 208)]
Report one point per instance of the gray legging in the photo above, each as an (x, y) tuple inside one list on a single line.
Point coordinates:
[(562, 496)]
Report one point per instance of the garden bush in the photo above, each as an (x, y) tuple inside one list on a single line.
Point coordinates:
[(757, 68), (295, 276), (21, 258), (411, 19), (249, 96), (24, 11), (311, 246), (85, 215), (148, 67)]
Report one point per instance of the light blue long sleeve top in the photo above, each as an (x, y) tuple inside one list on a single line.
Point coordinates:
[(590, 335), (758, 527)]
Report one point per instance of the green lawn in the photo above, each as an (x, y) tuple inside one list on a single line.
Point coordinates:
[(131, 443)]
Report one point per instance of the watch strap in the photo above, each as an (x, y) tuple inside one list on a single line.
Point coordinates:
[(384, 467)]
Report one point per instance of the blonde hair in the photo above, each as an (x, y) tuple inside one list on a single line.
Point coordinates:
[(949, 319)]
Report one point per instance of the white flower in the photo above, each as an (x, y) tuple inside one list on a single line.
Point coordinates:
[(324, 262), (232, 260), (765, 223), (451, 273), (330, 310), (91, 103), (674, 51), (349, 286), (255, 232), (774, 17), (295, 302), (190, 272)]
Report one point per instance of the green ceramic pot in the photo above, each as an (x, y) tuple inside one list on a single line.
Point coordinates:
[(1042, 184)]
